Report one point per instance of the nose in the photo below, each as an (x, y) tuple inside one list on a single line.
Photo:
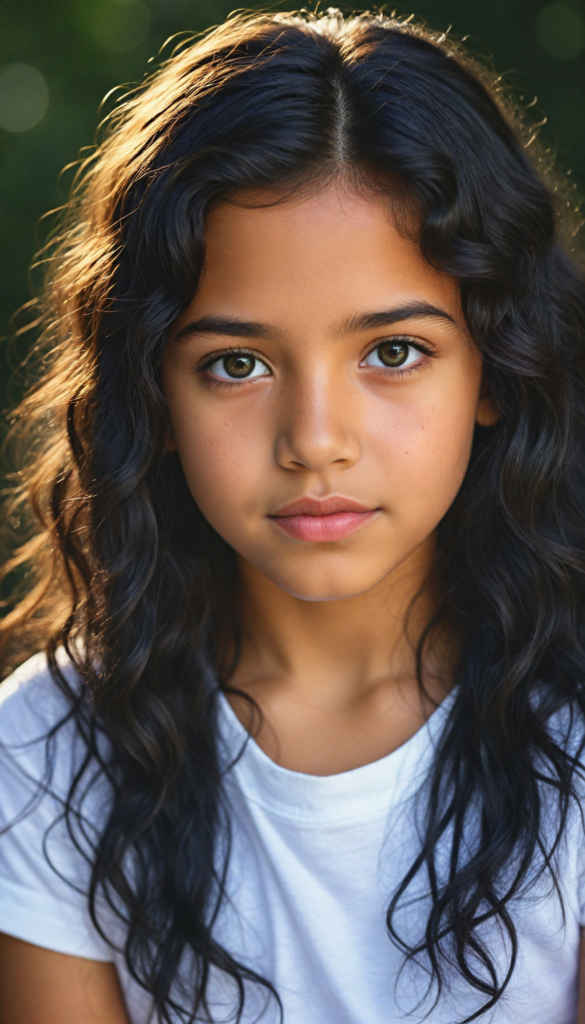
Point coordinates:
[(317, 427)]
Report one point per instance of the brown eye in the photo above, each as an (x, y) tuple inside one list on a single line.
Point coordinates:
[(393, 353), (238, 364)]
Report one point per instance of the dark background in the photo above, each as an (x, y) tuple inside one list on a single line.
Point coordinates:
[(75, 51)]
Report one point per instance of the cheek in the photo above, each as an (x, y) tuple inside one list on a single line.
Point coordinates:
[(422, 451), (225, 455)]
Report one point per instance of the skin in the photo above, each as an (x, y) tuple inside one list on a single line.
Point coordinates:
[(38, 986), (325, 653)]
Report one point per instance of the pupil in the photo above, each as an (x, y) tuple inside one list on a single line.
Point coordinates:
[(393, 353), (239, 365)]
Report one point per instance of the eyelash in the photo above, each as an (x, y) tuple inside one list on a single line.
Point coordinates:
[(213, 358), (387, 371), (403, 339)]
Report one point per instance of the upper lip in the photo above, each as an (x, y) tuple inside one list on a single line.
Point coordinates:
[(322, 506)]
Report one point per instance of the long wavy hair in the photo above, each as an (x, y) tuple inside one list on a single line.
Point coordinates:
[(125, 573)]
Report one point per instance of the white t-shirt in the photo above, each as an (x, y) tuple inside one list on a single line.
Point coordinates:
[(315, 861)]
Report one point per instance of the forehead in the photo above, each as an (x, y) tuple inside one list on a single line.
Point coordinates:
[(330, 254)]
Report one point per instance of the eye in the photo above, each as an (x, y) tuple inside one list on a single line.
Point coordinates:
[(238, 366), (393, 355)]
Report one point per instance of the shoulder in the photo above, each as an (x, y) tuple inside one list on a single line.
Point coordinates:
[(50, 764), (43, 729), (45, 853), (31, 702)]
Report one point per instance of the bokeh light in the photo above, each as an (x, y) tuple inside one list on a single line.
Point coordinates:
[(117, 25), (561, 31), (24, 97)]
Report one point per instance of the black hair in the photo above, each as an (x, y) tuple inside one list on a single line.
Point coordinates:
[(137, 586)]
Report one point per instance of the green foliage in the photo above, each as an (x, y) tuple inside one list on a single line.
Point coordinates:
[(58, 58)]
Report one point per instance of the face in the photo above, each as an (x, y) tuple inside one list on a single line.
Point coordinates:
[(323, 392)]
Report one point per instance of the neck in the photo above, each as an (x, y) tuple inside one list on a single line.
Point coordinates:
[(335, 681), (332, 648)]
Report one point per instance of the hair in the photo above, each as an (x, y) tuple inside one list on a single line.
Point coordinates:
[(124, 572)]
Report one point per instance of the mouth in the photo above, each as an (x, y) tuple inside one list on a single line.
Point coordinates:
[(330, 519)]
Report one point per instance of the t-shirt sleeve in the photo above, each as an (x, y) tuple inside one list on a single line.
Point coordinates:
[(43, 875)]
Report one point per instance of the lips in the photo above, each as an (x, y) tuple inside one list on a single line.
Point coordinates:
[(329, 519)]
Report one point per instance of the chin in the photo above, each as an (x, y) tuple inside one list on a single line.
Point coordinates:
[(331, 587)]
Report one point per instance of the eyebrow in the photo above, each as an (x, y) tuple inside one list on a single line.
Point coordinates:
[(387, 317), (233, 328), (227, 325)]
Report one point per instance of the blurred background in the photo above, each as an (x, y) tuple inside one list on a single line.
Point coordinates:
[(58, 59)]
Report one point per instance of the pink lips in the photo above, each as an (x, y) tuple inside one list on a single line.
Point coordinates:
[(331, 519)]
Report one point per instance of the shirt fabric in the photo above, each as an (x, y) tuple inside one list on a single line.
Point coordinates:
[(314, 863)]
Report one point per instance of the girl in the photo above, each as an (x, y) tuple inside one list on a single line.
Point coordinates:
[(305, 743)]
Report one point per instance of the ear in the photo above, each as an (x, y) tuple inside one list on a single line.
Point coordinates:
[(486, 413)]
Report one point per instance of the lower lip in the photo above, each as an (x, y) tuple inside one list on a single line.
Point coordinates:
[(323, 528)]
